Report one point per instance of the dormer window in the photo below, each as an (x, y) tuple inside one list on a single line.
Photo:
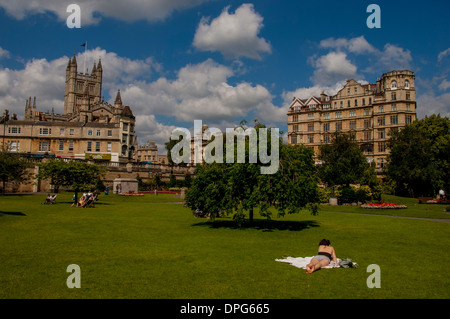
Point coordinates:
[(394, 85), (406, 84)]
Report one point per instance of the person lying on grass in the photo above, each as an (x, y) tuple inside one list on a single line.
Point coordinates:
[(323, 258)]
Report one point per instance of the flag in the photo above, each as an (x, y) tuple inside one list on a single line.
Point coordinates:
[(84, 44)]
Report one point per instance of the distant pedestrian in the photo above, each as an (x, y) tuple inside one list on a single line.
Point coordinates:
[(156, 191)]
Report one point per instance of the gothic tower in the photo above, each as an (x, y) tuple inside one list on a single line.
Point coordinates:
[(77, 84)]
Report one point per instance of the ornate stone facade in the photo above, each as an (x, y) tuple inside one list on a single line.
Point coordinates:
[(368, 112)]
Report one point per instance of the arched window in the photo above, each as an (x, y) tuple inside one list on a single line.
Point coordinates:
[(394, 84), (406, 84)]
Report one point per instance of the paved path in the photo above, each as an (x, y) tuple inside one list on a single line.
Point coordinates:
[(405, 217)]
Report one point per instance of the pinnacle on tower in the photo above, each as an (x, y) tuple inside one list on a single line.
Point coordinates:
[(118, 101)]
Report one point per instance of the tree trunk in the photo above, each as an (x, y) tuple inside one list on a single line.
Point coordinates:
[(251, 216)]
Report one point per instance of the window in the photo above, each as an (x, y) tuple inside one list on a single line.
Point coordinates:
[(124, 138), (109, 133), (381, 147), (370, 100), (406, 84), (367, 124), (327, 138), (294, 139), (393, 96), (394, 107), (394, 85), (381, 162), (296, 128), (356, 90), (326, 127), (408, 95), (352, 113), (310, 116), (367, 136), (61, 146), (356, 102), (310, 127), (408, 107), (326, 106), (326, 116), (14, 130), (408, 119), (381, 121), (44, 146), (348, 91), (381, 109), (363, 101), (348, 103), (45, 131), (366, 111), (71, 131), (382, 133), (353, 125), (108, 147), (342, 104), (97, 146), (98, 133), (294, 118), (338, 126), (14, 146), (89, 146), (125, 126), (338, 115), (61, 132), (394, 119), (353, 136), (70, 146), (311, 139), (89, 132)]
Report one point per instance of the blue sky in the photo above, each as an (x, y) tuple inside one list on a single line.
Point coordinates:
[(220, 61)]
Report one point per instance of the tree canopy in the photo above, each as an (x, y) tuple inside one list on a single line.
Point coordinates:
[(12, 168), (237, 188), (342, 161), (79, 176), (419, 156)]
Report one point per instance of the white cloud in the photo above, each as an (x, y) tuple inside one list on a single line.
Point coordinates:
[(331, 68), (395, 58), (429, 103), (357, 45), (444, 86), (202, 92), (131, 10), (443, 54), (234, 35), (4, 53)]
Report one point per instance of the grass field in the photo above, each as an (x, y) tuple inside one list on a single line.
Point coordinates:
[(152, 247)]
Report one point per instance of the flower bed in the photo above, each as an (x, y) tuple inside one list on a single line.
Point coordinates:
[(383, 206), (131, 194)]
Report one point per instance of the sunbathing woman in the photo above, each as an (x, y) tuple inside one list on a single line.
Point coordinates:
[(323, 258)]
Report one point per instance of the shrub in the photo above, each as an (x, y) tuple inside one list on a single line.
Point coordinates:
[(348, 195)]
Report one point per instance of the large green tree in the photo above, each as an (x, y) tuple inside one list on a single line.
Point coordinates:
[(13, 167), (79, 176), (342, 161), (419, 157), (237, 188)]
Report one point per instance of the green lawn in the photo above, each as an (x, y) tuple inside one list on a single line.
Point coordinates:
[(152, 247)]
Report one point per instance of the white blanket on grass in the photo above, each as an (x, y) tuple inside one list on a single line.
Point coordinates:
[(301, 262)]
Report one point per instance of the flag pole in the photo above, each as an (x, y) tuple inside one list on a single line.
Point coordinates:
[(85, 47)]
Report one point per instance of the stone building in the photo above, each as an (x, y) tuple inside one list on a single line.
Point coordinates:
[(90, 128), (368, 112)]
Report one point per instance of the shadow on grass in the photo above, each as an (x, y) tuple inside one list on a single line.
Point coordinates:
[(12, 213), (261, 224)]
